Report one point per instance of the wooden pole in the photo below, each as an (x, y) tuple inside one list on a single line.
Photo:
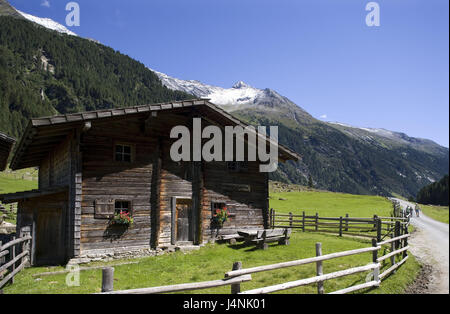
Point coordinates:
[(317, 221), (319, 268), (378, 224), (397, 234), (376, 271), (236, 287), (303, 222), (405, 243), (270, 218), (340, 226), (346, 222), (107, 279), (290, 220), (13, 256), (392, 250)]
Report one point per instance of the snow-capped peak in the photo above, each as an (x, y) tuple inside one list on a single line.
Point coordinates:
[(47, 23), (241, 93), (240, 84)]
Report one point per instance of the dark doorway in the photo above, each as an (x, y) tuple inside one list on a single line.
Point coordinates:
[(48, 250), (184, 220)]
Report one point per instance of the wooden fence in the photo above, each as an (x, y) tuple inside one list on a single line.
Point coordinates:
[(14, 256), (373, 227), (397, 246)]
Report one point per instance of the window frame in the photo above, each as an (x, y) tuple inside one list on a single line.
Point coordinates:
[(131, 154), (129, 209)]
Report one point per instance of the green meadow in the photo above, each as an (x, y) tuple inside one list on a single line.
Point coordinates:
[(213, 260)]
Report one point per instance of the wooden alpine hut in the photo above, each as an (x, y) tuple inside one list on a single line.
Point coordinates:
[(94, 165)]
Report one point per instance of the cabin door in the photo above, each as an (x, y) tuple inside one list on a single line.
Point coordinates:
[(48, 237), (184, 220)]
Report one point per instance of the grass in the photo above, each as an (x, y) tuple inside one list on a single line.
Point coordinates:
[(11, 185), (213, 260), (329, 204), (439, 213), (13, 181)]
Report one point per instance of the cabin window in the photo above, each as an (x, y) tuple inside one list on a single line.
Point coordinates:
[(122, 206), (237, 166), (123, 153), (216, 205), (221, 205)]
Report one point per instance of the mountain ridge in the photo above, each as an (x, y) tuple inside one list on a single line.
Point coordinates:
[(45, 73)]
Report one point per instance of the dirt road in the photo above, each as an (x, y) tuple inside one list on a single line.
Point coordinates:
[(430, 245)]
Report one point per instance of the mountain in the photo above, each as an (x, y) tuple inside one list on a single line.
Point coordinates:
[(338, 157), (47, 23), (45, 72), (8, 10)]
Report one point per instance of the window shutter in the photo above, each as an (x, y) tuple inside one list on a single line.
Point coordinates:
[(104, 208)]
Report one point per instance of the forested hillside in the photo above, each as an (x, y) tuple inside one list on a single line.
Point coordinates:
[(43, 73), (436, 193)]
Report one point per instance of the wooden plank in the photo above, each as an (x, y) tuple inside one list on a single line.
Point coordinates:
[(303, 282), (357, 287), (185, 286), (394, 239), (14, 242), (13, 261), (392, 268), (380, 259), (11, 275), (300, 262)]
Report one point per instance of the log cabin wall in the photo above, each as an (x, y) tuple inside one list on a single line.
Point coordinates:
[(55, 169), (244, 193), (106, 180), (46, 215)]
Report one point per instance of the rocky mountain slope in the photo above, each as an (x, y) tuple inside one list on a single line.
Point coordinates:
[(45, 72), (339, 157)]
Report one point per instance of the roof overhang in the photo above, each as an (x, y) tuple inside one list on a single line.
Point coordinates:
[(43, 134), (14, 197), (6, 144)]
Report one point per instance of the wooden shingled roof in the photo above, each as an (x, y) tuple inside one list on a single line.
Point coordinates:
[(43, 134), (6, 144)]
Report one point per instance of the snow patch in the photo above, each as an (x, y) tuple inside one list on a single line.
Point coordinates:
[(47, 23)]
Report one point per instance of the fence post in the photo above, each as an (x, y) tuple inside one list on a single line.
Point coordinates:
[(273, 218), (303, 222), (340, 226), (378, 224), (393, 256), (107, 279), (376, 271), (405, 243), (270, 219), (290, 220), (317, 221), (236, 287), (319, 268), (346, 222), (397, 234), (12, 253)]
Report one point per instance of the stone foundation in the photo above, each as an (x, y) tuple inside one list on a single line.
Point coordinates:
[(107, 255)]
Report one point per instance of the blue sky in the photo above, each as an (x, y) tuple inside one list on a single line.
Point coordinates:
[(318, 53)]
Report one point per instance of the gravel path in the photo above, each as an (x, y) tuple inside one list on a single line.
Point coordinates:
[(430, 245)]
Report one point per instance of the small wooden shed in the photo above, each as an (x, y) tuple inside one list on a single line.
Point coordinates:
[(95, 164), (6, 144)]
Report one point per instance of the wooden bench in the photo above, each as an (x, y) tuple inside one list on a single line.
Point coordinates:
[(230, 238), (263, 237)]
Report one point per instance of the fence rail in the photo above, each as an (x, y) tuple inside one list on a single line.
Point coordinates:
[(12, 253), (238, 275), (378, 227)]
